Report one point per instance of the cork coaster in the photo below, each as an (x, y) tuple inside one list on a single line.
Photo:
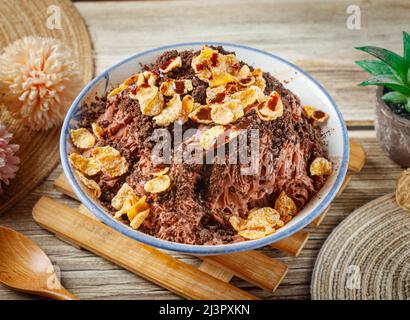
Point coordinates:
[(39, 150), (367, 256)]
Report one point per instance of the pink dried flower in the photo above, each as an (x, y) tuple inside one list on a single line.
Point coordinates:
[(8, 161), (38, 81)]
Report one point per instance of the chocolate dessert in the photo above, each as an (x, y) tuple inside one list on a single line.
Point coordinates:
[(208, 101)]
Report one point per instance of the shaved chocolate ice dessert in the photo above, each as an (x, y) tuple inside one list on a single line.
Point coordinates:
[(207, 202)]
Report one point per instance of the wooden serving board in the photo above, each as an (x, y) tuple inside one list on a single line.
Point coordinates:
[(209, 281), (39, 150)]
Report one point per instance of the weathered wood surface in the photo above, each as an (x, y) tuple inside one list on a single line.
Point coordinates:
[(313, 35), (92, 277)]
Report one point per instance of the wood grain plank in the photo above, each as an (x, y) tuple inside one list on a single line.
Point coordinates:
[(219, 273), (344, 184), (62, 185), (316, 223), (357, 156), (254, 267), (138, 258), (294, 244)]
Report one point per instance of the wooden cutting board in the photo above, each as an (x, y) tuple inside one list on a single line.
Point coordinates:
[(148, 262), (39, 152)]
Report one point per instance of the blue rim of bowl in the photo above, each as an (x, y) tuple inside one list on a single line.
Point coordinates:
[(200, 249)]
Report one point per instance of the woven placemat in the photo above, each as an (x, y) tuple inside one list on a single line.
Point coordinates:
[(367, 256), (39, 151)]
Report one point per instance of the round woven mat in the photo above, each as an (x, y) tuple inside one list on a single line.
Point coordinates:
[(367, 256), (39, 150)]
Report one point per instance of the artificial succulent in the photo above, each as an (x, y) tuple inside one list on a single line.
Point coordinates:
[(391, 71)]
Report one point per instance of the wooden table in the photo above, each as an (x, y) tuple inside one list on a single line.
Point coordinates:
[(313, 35)]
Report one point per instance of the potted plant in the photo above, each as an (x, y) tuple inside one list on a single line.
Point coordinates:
[(391, 73)]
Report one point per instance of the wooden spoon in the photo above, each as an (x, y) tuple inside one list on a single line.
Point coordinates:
[(25, 267)]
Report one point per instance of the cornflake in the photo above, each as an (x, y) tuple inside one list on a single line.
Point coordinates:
[(320, 167), (170, 87), (244, 72), (403, 190), (125, 209), (150, 100), (139, 219), (100, 152), (215, 68), (221, 114), (82, 138), (215, 95), (147, 78), (202, 114), (309, 110), (235, 100), (236, 108), (245, 77), (219, 78), (110, 161), (237, 223), (131, 80), (125, 193), (315, 114), (127, 203), (160, 171), (139, 206), (171, 113), (132, 207), (228, 63), (88, 166), (97, 130), (117, 90), (285, 206), (260, 223), (247, 82), (202, 63), (259, 79), (158, 184), (320, 116), (114, 166), (188, 106), (90, 184), (219, 94), (249, 96), (209, 137), (271, 109), (171, 64)]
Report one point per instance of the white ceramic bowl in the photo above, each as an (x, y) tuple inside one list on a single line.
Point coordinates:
[(309, 91)]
